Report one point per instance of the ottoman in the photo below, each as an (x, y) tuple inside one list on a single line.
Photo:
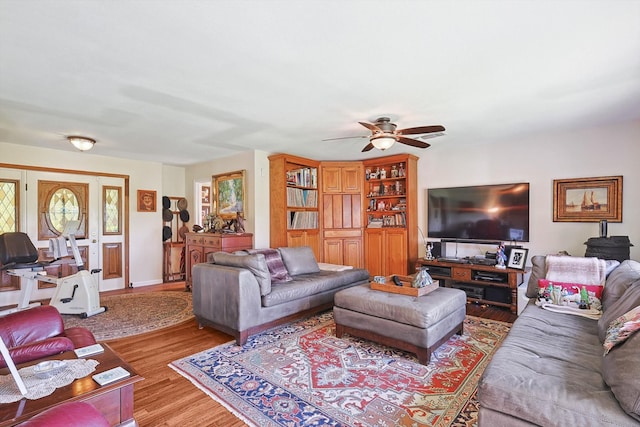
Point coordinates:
[(415, 324)]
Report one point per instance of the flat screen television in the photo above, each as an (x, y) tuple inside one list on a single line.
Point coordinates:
[(497, 212)]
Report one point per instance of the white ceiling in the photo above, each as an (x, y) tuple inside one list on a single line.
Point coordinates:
[(181, 82)]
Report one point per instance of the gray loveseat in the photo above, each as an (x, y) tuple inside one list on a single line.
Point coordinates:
[(551, 369), (244, 293)]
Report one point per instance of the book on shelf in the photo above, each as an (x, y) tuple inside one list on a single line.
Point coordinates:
[(303, 177), (302, 197), (302, 220)]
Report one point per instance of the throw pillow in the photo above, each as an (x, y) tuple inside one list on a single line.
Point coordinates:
[(561, 293), (299, 260), (618, 281), (622, 328), (538, 270), (627, 301), (621, 370), (256, 264), (277, 269)]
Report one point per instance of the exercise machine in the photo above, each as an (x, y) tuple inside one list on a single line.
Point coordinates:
[(75, 294)]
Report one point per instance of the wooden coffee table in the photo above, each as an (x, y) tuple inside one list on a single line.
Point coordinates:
[(114, 401)]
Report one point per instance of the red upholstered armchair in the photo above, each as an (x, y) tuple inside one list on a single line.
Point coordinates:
[(39, 332), (72, 414)]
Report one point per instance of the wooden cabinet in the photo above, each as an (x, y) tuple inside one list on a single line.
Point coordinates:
[(341, 177), (294, 202), (342, 213), (198, 246), (386, 251), (390, 214), (483, 284), (309, 238)]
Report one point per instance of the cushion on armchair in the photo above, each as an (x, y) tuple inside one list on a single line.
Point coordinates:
[(39, 332)]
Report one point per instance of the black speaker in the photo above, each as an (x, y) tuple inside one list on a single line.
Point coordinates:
[(436, 249)]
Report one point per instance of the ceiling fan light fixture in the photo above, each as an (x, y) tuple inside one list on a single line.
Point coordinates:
[(383, 142), (82, 143)]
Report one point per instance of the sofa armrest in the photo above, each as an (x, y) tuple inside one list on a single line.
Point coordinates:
[(81, 337), (228, 296)]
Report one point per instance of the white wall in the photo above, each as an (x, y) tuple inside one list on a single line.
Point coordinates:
[(256, 165), (173, 183), (539, 159), (145, 228)]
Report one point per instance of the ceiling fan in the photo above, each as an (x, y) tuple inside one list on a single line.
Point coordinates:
[(384, 134)]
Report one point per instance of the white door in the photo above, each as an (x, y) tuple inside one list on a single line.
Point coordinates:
[(96, 240)]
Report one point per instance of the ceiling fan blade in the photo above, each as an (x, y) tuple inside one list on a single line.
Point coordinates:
[(347, 137), (413, 142), (370, 126), (368, 147), (421, 129)]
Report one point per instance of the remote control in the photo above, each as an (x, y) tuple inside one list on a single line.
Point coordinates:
[(397, 281)]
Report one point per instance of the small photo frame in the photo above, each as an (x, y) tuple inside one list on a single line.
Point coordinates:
[(146, 200), (517, 258)]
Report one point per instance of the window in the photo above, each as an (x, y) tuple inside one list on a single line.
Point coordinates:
[(111, 218), (60, 202), (9, 202)]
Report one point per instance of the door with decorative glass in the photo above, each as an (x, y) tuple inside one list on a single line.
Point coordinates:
[(45, 201)]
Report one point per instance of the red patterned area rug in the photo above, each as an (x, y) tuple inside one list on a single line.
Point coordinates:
[(301, 374)]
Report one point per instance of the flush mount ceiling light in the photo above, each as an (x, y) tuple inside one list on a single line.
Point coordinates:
[(382, 142), (82, 143)]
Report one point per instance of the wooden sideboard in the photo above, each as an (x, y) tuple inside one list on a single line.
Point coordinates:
[(483, 284), (200, 245)]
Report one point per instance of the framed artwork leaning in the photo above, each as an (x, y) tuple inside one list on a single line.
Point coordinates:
[(587, 199)]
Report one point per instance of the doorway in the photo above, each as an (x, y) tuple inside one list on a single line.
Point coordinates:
[(104, 240)]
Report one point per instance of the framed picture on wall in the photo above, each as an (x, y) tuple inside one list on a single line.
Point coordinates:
[(228, 194), (146, 201), (587, 199)]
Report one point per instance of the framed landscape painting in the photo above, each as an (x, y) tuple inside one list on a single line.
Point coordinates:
[(228, 194), (587, 199)]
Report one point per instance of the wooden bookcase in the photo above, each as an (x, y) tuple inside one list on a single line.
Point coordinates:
[(345, 231), (390, 214), (294, 184)]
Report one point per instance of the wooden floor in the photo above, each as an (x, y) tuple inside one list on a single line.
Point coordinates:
[(165, 398)]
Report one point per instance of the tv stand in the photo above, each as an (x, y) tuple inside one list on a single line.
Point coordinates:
[(483, 284)]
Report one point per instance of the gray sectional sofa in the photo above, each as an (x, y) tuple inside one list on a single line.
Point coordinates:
[(247, 292), (551, 369)]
